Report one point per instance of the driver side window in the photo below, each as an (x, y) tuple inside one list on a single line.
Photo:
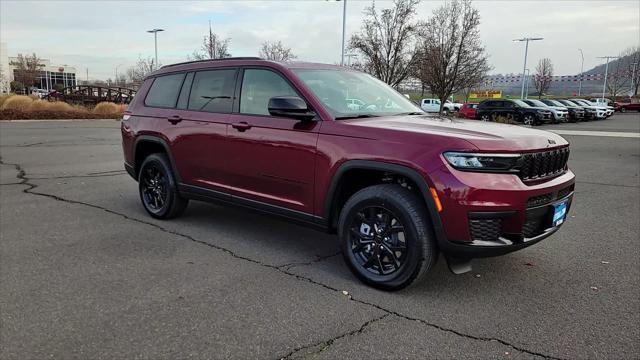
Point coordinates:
[(258, 86)]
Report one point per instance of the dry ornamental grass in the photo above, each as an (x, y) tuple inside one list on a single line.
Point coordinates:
[(18, 107)]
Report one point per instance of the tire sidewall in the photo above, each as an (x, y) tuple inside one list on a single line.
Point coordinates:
[(415, 244), (161, 162)]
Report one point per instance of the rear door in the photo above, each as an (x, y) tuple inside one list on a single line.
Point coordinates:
[(271, 158), (198, 127)]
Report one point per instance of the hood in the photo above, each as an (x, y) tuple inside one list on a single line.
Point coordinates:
[(485, 136)]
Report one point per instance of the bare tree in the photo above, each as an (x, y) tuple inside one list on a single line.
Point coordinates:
[(618, 78), (27, 69), (137, 72), (451, 57), (276, 51), (631, 57), (386, 41), (543, 77), (213, 47)]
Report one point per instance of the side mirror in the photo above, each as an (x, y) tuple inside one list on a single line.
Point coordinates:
[(291, 107)]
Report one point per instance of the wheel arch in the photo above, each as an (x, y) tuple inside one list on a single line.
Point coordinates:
[(332, 199), (146, 145)]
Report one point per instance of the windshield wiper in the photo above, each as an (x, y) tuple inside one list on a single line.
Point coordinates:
[(356, 116), (410, 113)]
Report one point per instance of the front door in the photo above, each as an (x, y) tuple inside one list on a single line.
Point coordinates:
[(271, 159)]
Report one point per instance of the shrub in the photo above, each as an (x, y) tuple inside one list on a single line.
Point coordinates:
[(17, 102), (106, 108), (3, 98), (59, 106), (38, 105)]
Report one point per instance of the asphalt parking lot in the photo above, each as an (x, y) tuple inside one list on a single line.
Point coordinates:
[(85, 273)]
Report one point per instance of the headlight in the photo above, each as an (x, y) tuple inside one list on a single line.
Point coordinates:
[(482, 162)]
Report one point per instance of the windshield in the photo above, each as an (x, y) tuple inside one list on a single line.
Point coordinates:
[(348, 94), (567, 103), (537, 102), (521, 103)]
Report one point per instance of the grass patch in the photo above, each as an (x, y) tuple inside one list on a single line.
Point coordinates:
[(20, 107)]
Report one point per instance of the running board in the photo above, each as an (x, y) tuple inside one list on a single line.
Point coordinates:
[(458, 266)]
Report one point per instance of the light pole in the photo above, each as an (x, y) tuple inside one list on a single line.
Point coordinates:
[(633, 78), (581, 71), (155, 38), (117, 66), (344, 27), (528, 80), (606, 72), (526, 50)]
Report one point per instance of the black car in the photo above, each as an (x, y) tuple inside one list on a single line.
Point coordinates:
[(576, 113), (512, 111)]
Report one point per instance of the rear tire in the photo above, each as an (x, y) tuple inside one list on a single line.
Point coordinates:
[(386, 238), (623, 110), (158, 189), (485, 117)]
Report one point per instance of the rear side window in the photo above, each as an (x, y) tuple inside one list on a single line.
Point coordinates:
[(212, 90), (164, 91)]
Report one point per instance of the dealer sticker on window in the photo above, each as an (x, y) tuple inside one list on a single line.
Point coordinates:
[(559, 213)]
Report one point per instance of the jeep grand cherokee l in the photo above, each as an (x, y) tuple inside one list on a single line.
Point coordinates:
[(397, 185)]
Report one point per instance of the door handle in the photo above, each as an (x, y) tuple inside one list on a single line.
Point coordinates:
[(175, 119), (241, 126)]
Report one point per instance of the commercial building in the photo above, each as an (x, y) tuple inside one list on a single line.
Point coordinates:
[(4, 69), (49, 75)]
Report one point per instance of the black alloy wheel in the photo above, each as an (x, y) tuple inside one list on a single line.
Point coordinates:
[(377, 240), (158, 190), (386, 236)]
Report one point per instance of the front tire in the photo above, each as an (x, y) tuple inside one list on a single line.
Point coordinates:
[(529, 120), (385, 237), (158, 190)]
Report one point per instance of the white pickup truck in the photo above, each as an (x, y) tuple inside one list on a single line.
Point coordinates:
[(433, 106)]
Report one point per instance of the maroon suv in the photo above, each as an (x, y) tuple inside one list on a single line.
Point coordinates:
[(337, 149)]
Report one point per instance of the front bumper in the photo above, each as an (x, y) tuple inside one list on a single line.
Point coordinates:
[(494, 214)]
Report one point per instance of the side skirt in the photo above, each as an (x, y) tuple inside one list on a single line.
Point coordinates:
[(213, 196)]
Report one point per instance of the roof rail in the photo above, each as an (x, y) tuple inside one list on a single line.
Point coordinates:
[(207, 60)]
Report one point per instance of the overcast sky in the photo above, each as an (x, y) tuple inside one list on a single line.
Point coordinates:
[(100, 35)]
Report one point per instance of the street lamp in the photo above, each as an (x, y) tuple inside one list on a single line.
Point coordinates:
[(581, 72), (344, 26), (528, 80), (606, 72), (155, 38), (117, 66), (526, 50), (633, 78)]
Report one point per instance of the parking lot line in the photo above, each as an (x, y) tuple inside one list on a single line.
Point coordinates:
[(598, 133)]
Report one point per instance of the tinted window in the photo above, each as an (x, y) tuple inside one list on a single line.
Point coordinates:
[(164, 91), (258, 86), (184, 93), (212, 90)]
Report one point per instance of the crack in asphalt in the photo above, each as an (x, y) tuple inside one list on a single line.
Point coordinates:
[(605, 184), (306, 263), (24, 180), (327, 343), (46, 144), (79, 176)]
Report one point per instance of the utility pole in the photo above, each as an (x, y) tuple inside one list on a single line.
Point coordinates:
[(581, 72), (606, 72), (155, 38), (633, 78), (344, 28), (526, 50)]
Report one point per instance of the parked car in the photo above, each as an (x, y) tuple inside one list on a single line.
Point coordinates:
[(281, 138), (468, 110), (433, 106), (515, 110), (602, 112), (559, 113), (576, 113), (624, 106), (456, 106)]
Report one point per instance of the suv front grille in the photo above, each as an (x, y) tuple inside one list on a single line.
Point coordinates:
[(485, 229), (544, 164)]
